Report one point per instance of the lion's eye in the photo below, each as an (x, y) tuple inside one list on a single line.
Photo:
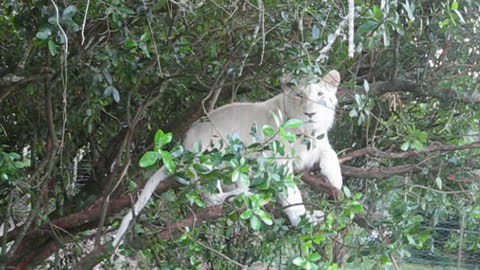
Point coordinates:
[(299, 95), (320, 94)]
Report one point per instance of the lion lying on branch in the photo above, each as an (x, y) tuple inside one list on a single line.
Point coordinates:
[(312, 101)]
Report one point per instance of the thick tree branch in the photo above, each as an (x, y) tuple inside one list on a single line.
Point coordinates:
[(386, 172), (379, 172), (11, 83), (420, 89), (91, 259), (320, 184), (434, 147)]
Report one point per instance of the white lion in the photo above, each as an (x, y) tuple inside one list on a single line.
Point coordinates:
[(313, 102)]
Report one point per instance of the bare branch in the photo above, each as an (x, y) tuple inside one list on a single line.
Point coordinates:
[(434, 147), (331, 40), (421, 89), (91, 259), (351, 16)]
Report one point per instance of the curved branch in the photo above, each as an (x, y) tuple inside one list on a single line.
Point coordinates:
[(319, 183), (90, 215), (419, 89), (92, 259), (379, 172), (11, 83), (433, 147)]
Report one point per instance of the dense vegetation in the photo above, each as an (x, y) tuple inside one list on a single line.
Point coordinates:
[(85, 85)]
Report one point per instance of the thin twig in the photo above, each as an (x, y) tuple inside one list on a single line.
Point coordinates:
[(441, 191), (59, 26), (262, 21), (222, 255), (106, 203), (351, 15), (85, 21), (64, 78), (331, 40), (6, 223), (460, 241), (153, 39)]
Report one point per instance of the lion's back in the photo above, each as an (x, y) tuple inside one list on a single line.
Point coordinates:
[(235, 118)]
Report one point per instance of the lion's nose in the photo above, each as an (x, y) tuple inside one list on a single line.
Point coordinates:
[(309, 115)]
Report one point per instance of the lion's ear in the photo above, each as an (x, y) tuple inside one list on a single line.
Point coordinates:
[(332, 78), (286, 78)]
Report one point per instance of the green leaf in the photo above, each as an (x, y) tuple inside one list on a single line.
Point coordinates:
[(366, 86), (126, 10), (293, 123), (377, 13), (277, 118), (115, 94), (386, 37), (201, 169), (69, 12), (405, 146), (168, 161), (319, 238), (409, 8), (367, 27), (44, 33), (417, 145), (246, 214), (438, 182), (267, 130), (384, 259), (199, 202), (445, 22), (353, 113), (255, 223), (289, 136), (107, 76), (177, 151), (255, 201), (146, 37), (108, 91), (454, 5), (315, 32), (314, 257), (356, 207), (4, 176), (148, 159), (347, 192), (52, 20), (130, 43), (264, 216), (410, 239), (14, 155), (244, 179), (299, 261), (71, 25), (18, 164), (236, 175), (197, 147), (162, 138), (52, 47), (333, 267)]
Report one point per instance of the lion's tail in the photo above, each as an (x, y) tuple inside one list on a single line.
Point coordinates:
[(147, 192)]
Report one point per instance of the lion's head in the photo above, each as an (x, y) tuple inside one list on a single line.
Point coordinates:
[(311, 100)]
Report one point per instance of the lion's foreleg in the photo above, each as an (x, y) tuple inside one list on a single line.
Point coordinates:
[(330, 167)]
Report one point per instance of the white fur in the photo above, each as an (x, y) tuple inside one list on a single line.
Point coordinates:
[(301, 101)]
